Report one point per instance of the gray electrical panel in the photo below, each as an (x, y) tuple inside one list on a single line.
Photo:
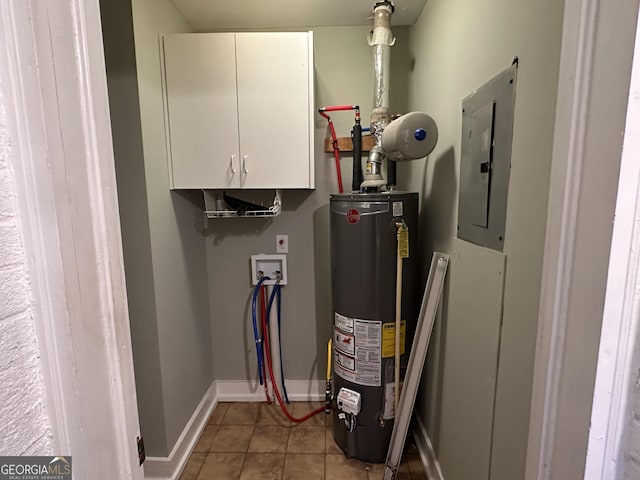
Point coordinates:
[(487, 129)]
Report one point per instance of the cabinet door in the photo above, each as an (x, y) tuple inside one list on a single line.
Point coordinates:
[(200, 83), (274, 108)]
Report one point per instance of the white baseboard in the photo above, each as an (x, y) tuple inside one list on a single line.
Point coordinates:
[(427, 453), (170, 468), (244, 391)]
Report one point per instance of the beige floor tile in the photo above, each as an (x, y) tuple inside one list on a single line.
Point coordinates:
[(417, 470), (311, 452), (307, 466), (269, 439), (339, 467), (218, 414), (206, 439), (303, 439), (272, 415), (330, 444), (403, 472), (222, 466), (232, 439), (375, 471), (414, 463), (193, 466), (301, 409), (241, 414), (263, 466)]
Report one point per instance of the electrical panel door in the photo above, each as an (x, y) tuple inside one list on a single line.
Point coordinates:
[(487, 128)]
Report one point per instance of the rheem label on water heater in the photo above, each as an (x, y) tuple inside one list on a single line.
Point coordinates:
[(357, 346), (353, 216)]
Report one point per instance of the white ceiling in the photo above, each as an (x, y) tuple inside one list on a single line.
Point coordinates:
[(232, 14)]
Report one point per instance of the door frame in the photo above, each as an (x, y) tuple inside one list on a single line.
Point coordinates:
[(54, 84), (593, 93), (618, 360)]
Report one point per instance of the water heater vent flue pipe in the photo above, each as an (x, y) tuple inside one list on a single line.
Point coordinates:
[(381, 39)]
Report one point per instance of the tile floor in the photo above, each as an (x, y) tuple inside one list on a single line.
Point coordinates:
[(248, 441)]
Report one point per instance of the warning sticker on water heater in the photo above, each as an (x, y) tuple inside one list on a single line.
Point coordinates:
[(345, 362), (344, 342), (389, 338), (344, 323), (358, 355)]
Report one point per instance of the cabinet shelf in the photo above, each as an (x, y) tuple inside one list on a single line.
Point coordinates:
[(272, 210)]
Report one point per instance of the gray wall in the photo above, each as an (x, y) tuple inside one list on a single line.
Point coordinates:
[(117, 31), (177, 242), (163, 237), (457, 46), (344, 75)]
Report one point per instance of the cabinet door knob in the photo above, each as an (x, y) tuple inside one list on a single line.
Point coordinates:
[(244, 164), (231, 164)]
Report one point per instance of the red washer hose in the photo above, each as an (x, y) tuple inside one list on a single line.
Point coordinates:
[(276, 392)]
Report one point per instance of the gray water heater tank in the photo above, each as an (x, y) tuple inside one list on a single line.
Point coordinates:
[(363, 265)]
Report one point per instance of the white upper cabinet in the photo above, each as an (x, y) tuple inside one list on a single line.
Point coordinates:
[(239, 109), (201, 100)]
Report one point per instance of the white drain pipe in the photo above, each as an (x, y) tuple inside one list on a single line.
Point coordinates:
[(381, 39)]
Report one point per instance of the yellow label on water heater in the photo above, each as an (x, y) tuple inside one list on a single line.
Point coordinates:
[(389, 338), (403, 241)]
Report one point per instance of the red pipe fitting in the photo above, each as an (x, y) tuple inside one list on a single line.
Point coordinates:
[(337, 108)]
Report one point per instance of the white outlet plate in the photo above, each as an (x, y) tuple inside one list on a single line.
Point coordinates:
[(269, 264), (282, 243)]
